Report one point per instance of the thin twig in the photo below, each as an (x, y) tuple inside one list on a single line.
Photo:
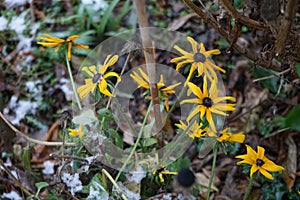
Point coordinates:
[(275, 65), (241, 18), (148, 48), (286, 25), (31, 139), (68, 157), (114, 183), (18, 183)]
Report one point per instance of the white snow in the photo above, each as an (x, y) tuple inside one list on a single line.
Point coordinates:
[(97, 4), (3, 23), (137, 175), (17, 24), (72, 181), (129, 194), (48, 168), (12, 195), (22, 108), (96, 195)]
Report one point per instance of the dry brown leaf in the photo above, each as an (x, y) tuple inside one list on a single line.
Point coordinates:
[(181, 21), (6, 135), (290, 163), (203, 180)]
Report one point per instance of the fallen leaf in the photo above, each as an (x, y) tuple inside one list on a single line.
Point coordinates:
[(290, 163), (181, 21)]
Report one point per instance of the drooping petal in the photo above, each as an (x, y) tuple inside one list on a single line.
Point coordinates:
[(190, 101), (183, 52), (205, 89), (69, 50), (48, 44), (103, 88), (109, 74), (192, 114), (271, 166), (195, 89), (219, 99), (81, 46), (266, 174), (216, 111), (86, 70), (193, 43), (212, 52), (210, 120), (253, 169), (238, 137), (260, 152), (251, 153)]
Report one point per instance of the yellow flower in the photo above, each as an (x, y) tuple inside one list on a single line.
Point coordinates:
[(76, 132), (259, 162), (143, 82), (98, 77), (195, 131), (208, 102), (200, 60), (50, 41), (230, 137), (159, 169)]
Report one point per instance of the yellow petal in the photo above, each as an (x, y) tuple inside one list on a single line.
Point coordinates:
[(253, 169), (195, 89), (266, 174), (109, 74), (193, 43), (103, 88)]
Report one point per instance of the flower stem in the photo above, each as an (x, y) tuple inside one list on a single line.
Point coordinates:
[(248, 190), (136, 142), (215, 152), (72, 82)]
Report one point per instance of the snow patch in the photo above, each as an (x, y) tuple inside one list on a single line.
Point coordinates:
[(12, 195), (48, 168), (72, 181), (137, 175)]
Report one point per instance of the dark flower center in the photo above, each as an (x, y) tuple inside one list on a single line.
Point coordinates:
[(207, 102), (259, 162), (97, 78), (199, 57)]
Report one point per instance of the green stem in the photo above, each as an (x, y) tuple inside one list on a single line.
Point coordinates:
[(248, 190), (215, 152), (72, 81), (136, 142)]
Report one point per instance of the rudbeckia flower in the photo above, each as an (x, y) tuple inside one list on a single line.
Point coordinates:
[(98, 77), (208, 102), (259, 162), (76, 132), (195, 131), (199, 59), (143, 82), (50, 41), (225, 135)]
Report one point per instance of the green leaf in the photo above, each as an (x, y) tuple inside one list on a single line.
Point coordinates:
[(149, 141), (297, 67), (106, 17), (270, 83), (292, 120), (117, 138), (41, 185), (87, 117), (26, 159)]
